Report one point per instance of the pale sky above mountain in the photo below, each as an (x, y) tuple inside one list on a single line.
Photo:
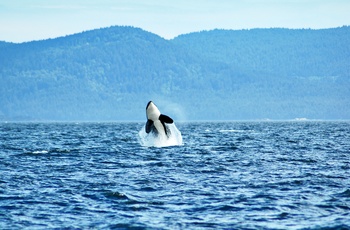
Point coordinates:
[(26, 20)]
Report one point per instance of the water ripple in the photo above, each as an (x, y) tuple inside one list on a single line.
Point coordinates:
[(226, 175)]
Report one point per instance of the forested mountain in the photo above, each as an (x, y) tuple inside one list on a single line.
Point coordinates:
[(111, 74)]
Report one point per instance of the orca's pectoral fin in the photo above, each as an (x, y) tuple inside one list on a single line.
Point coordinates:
[(148, 126), (165, 119)]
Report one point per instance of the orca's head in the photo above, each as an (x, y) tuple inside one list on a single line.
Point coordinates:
[(152, 112), (150, 103)]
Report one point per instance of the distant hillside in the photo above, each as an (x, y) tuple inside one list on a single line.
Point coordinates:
[(275, 52), (111, 73)]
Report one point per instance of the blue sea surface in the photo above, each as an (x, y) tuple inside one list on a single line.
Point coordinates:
[(225, 175)]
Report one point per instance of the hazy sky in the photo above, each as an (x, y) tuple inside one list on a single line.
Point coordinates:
[(26, 20)]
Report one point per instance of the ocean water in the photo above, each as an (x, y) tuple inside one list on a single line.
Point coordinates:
[(224, 175)]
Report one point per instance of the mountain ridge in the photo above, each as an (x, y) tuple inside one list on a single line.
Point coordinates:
[(111, 73)]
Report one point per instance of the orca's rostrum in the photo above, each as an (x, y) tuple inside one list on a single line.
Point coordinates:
[(156, 122)]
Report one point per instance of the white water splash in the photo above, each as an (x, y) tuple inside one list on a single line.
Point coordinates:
[(151, 140)]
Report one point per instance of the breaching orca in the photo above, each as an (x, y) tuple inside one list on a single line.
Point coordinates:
[(156, 122)]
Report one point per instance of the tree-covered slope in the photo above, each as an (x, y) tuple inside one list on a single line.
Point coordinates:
[(90, 75), (278, 73), (111, 73), (278, 52)]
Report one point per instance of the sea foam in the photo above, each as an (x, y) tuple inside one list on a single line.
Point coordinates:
[(152, 140)]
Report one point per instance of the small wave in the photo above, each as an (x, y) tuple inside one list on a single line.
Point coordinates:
[(150, 140), (40, 152), (346, 193), (116, 195), (231, 131), (49, 151)]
